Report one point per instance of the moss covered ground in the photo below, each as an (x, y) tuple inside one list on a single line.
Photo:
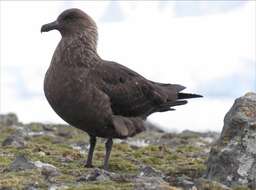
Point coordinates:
[(65, 148)]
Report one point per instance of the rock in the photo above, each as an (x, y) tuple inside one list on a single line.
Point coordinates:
[(183, 181), (232, 159), (31, 187), (21, 163), (36, 134), (100, 175), (171, 139), (149, 171), (15, 141), (48, 127), (65, 133), (150, 183), (95, 175), (58, 187), (47, 170), (6, 188), (9, 119), (204, 184), (122, 177)]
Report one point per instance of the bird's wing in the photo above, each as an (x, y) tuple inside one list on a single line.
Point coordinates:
[(130, 93)]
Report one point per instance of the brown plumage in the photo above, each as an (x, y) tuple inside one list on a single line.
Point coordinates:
[(103, 98)]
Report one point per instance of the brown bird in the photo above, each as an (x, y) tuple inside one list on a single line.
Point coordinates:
[(103, 98)]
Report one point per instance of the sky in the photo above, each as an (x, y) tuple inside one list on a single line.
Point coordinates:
[(207, 46)]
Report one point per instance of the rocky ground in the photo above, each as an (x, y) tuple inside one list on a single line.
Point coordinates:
[(49, 156)]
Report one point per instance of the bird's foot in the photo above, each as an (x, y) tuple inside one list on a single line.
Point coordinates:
[(106, 168), (89, 165)]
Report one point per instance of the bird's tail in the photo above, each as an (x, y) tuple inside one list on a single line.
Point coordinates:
[(188, 95), (127, 126), (175, 97)]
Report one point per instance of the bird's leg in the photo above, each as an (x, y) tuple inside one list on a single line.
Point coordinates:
[(108, 146), (90, 153)]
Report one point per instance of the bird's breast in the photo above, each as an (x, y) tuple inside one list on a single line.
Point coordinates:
[(66, 90)]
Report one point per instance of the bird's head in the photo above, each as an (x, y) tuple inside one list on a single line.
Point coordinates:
[(72, 21)]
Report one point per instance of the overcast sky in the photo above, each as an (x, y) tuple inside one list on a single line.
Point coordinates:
[(208, 46)]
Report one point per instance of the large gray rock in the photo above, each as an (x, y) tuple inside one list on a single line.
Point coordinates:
[(232, 160), (8, 119)]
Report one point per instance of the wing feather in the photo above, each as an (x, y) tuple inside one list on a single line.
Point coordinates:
[(130, 93)]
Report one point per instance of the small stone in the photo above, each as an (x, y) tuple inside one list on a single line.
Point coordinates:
[(40, 164), (95, 175), (150, 183), (183, 181), (41, 153), (48, 127), (31, 187), (148, 171), (65, 133), (6, 188), (203, 184), (47, 170), (15, 141), (36, 134), (21, 163)]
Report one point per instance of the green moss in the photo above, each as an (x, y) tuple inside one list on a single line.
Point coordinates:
[(241, 188), (188, 149), (173, 162), (118, 164), (152, 161), (5, 132), (211, 186), (103, 186), (35, 127), (4, 161), (78, 137), (172, 157), (21, 179), (190, 135)]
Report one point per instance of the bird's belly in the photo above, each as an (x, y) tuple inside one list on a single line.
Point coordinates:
[(77, 102)]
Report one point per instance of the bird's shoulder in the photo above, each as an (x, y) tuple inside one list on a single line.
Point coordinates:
[(119, 81), (115, 73)]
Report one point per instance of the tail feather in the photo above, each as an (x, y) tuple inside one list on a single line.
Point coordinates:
[(188, 95)]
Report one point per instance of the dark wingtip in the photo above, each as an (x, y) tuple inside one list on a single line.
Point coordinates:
[(197, 96), (187, 95)]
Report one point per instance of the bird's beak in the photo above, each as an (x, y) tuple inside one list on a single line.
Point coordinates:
[(50, 26)]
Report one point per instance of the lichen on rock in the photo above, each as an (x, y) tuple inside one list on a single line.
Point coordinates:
[(232, 160)]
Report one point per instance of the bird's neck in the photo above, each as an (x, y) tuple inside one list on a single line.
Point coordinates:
[(77, 50), (86, 38)]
